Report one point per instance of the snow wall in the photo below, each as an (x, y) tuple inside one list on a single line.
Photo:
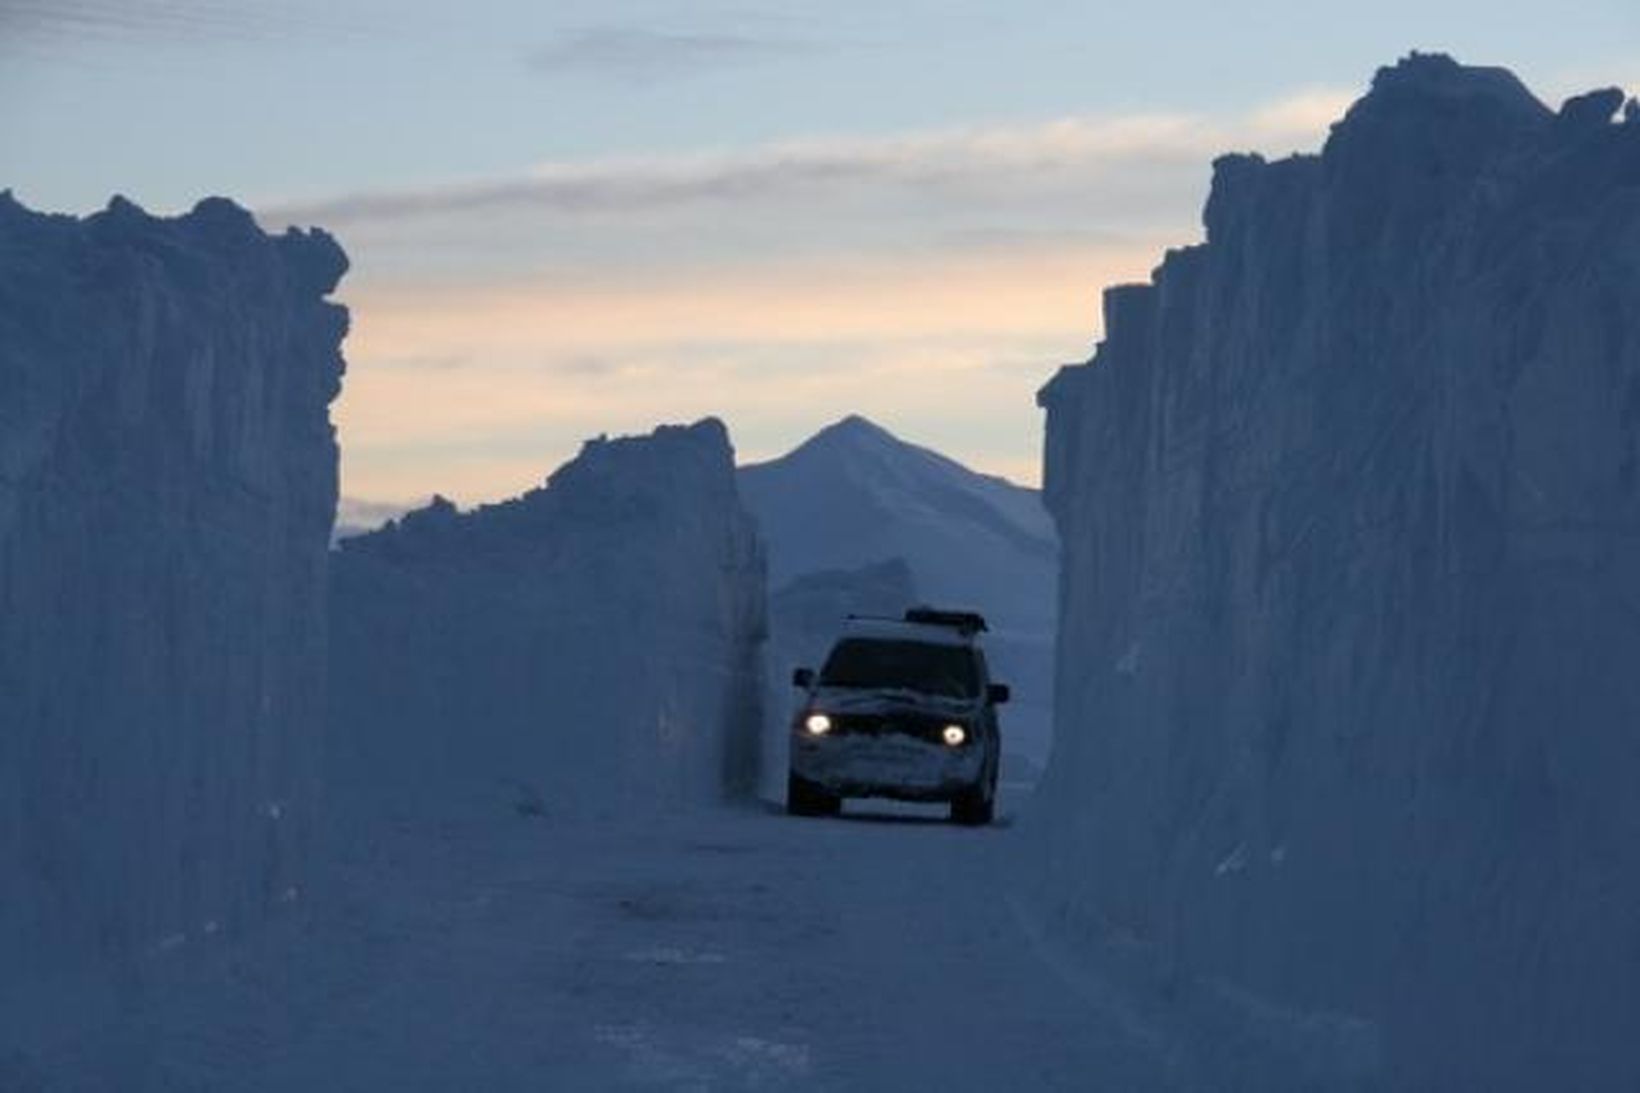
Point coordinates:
[(595, 644), (1348, 700), (167, 484)]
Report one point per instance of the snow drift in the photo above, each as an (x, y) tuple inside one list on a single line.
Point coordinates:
[(593, 644), (167, 484), (1349, 500)]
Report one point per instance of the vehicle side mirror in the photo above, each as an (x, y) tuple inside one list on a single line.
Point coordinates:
[(803, 677), (998, 693)]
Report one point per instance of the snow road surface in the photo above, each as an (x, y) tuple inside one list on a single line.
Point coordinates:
[(739, 949)]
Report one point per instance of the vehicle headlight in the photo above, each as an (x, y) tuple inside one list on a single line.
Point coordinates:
[(954, 735), (818, 724)]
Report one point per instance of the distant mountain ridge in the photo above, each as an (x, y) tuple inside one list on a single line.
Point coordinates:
[(854, 494)]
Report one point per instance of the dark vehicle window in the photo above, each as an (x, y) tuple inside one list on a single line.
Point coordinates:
[(932, 669)]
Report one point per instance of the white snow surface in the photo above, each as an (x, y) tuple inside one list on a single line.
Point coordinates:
[(167, 482), (1349, 500), (855, 503), (723, 950)]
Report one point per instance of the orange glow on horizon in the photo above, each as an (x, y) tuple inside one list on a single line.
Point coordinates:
[(494, 385)]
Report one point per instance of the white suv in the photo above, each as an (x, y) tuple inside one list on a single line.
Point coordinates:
[(902, 708)]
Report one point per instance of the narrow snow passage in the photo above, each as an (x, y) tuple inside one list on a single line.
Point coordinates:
[(734, 950)]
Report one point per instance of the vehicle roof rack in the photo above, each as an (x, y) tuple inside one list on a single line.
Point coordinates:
[(968, 623)]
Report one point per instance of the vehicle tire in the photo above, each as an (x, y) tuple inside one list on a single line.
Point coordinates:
[(973, 808), (804, 798)]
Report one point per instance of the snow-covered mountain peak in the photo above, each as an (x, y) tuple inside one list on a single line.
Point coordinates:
[(855, 494), (859, 444), (853, 431)]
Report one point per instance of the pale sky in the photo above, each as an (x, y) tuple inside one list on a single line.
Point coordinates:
[(572, 218)]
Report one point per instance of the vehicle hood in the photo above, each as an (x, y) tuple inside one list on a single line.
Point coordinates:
[(863, 700)]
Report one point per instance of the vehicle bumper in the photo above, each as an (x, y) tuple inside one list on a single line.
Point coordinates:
[(895, 766)]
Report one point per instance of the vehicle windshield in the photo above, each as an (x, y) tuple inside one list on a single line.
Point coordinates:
[(918, 666)]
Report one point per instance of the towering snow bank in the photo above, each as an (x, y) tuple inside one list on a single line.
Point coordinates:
[(1349, 501), (595, 643), (167, 483), (854, 497)]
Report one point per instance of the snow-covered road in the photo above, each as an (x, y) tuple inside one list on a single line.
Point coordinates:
[(740, 949)]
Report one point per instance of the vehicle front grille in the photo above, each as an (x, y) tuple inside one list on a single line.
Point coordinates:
[(920, 726)]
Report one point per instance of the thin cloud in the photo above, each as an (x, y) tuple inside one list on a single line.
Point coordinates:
[(838, 274), (547, 365), (643, 56), (947, 159), (61, 22), (974, 159), (1301, 116), (864, 298), (1557, 87)]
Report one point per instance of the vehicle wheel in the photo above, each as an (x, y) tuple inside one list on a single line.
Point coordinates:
[(974, 808), (804, 798)]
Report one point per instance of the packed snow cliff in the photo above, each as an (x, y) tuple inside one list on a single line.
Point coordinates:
[(593, 644), (1349, 499), (167, 484)]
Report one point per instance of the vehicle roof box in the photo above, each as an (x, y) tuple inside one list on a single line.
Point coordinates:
[(967, 623)]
